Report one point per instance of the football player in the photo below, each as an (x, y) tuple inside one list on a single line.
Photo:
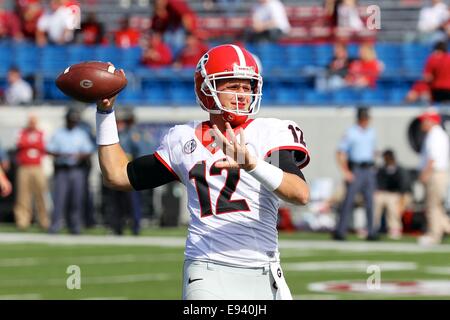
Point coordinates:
[(234, 168)]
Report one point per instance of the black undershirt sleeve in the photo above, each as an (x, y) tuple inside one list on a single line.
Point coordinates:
[(148, 172), (285, 160)]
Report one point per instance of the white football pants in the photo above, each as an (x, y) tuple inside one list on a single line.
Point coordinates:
[(213, 281)]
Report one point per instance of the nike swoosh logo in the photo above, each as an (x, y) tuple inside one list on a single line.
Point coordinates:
[(193, 280)]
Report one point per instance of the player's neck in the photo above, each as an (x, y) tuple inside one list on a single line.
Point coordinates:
[(218, 121)]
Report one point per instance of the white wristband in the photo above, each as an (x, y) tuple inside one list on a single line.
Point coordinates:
[(106, 129), (268, 175)]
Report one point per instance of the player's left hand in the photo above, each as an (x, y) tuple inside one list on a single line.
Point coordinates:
[(237, 154)]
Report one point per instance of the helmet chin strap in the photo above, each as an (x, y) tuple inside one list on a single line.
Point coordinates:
[(234, 119)]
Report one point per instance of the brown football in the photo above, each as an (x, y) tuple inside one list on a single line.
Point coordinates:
[(91, 81)]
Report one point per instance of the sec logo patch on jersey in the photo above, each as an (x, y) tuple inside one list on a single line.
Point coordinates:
[(190, 146)]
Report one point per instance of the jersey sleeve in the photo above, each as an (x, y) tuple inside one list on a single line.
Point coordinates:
[(287, 135), (165, 154)]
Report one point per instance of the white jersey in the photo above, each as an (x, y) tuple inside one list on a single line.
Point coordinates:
[(233, 217)]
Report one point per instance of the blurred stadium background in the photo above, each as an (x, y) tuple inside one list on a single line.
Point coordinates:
[(34, 264)]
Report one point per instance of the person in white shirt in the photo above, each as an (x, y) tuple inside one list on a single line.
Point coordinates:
[(431, 20), (348, 16), (269, 21), (234, 168), (57, 26), (19, 91), (434, 166)]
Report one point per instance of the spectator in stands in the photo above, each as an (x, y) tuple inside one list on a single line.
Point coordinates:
[(173, 19), (9, 25), (5, 184), (18, 91), (155, 52), (391, 187), (191, 53), (58, 25), (432, 21), (336, 71), (348, 20), (91, 31), (31, 180), (437, 73), (29, 12), (364, 71), (419, 93), (435, 158), (355, 157), (124, 205), (127, 36), (69, 146), (269, 21)]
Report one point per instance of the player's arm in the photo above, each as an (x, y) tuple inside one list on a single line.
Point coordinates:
[(293, 187), (117, 171)]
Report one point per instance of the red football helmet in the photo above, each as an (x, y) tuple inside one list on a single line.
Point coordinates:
[(226, 62)]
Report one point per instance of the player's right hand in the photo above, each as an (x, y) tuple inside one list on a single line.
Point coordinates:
[(106, 104)]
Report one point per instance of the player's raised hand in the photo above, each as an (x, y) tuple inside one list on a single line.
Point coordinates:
[(238, 156), (106, 104)]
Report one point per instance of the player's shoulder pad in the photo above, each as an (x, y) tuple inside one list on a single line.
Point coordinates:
[(280, 134)]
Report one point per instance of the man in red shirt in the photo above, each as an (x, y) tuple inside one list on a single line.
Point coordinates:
[(191, 53), (172, 14), (9, 24), (437, 73), (31, 181), (126, 36), (419, 92), (156, 53), (29, 12), (91, 31), (364, 71), (173, 19)]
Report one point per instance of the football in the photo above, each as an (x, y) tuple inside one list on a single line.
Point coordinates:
[(91, 81)]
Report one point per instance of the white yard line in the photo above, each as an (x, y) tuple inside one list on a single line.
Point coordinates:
[(83, 260), (92, 240), (24, 296), (438, 270), (349, 266), (179, 242), (314, 297), (127, 278), (105, 298)]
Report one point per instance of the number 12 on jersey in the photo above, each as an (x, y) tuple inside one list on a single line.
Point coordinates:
[(224, 204)]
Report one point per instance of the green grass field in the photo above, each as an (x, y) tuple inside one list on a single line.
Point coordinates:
[(111, 271)]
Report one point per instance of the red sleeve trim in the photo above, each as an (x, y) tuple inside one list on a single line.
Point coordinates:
[(166, 165), (295, 148)]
